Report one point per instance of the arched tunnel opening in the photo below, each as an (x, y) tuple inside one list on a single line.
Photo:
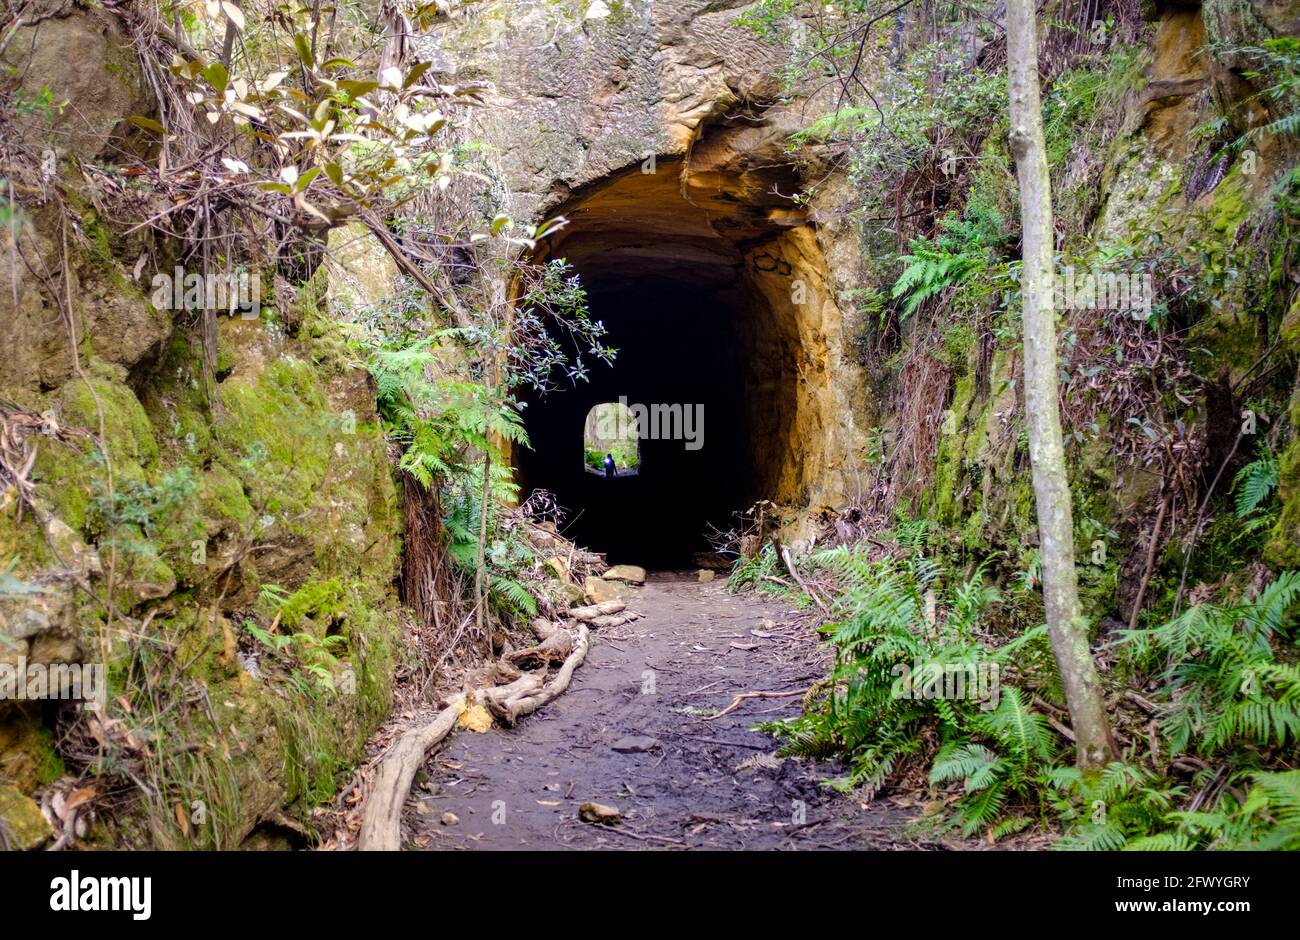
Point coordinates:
[(707, 289)]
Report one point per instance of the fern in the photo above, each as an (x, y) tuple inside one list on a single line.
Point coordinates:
[(962, 250), (1255, 482)]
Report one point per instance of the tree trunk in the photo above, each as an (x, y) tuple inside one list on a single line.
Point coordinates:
[(480, 563), (1065, 621)]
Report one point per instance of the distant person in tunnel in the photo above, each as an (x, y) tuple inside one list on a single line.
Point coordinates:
[(609, 466)]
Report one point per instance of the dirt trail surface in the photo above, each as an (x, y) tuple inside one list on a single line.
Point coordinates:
[(630, 733)]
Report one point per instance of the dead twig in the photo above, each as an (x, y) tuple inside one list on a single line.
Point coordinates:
[(735, 703)]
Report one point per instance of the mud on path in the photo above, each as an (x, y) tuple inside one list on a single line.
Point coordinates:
[(630, 733)]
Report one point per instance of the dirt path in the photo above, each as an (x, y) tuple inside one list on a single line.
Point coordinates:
[(630, 733)]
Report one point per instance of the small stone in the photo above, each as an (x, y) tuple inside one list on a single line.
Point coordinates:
[(594, 812), (598, 590), (55, 648), (632, 574), (637, 744), (450, 819), (599, 10), (558, 568), (704, 574)]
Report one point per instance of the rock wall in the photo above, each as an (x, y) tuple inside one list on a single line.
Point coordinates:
[(162, 518)]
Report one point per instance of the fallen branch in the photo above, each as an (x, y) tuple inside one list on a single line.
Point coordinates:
[(554, 649), (529, 683), (789, 565), (591, 612), (381, 819), (614, 620), (1149, 567)]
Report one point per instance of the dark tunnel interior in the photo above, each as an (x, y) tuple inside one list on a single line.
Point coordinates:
[(670, 280), (674, 348)]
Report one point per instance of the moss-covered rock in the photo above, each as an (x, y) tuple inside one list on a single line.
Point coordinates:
[(21, 823)]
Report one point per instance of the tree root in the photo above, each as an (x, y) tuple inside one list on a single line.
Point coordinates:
[(381, 820), (554, 648), (591, 612), (510, 709)]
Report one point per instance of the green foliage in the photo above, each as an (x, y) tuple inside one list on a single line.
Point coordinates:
[(507, 554), (440, 422), (1078, 95), (1107, 811), (1020, 745), (754, 572), (878, 710), (1255, 482), (1277, 63), (1226, 685), (303, 654), (963, 249)]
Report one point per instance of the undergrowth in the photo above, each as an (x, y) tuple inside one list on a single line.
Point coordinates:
[(928, 692)]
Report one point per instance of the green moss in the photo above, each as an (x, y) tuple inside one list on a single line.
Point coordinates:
[(1225, 338), (949, 463), (22, 542), (25, 828), (221, 497), (97, 241), (319, 601), (1230, 204), (271, 453), (1289, 332), (127, 431), (1283, 547), (378, 659), (49, 765), (276, 435), (958, 350)]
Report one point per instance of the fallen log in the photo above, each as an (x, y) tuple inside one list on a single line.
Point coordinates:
[(543, 628), (612, 620), (381, 820), (526, 684), (554, 649)]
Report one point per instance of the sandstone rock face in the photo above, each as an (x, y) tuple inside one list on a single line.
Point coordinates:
[(81, 81), (284, 479), (84, 59), (22, 825)]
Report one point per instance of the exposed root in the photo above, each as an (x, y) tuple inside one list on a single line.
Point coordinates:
[(597, 610), (381, 820), (381, 823), (515, 707)]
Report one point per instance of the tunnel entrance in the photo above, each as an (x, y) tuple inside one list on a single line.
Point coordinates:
[(716, 311)]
